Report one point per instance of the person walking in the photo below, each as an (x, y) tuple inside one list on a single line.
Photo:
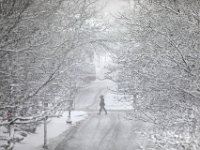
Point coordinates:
[(102, 105)]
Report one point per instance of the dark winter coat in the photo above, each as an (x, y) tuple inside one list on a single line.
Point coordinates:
[(102, 103)]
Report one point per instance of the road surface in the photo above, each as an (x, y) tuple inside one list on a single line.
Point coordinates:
[(102, 132)]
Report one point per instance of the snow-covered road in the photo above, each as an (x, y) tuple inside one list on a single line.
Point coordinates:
[(111, 132), (102, 132), (87, 99)]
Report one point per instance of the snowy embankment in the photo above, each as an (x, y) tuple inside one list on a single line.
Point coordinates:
[(113, 100), (55, 127), (89, 97), (116, 102)]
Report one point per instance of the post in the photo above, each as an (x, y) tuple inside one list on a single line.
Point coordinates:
[(69, 115), (11, 141), (45, 126), (45, 133), (69, 121), (11, 130), (69, 112), (74, 101)]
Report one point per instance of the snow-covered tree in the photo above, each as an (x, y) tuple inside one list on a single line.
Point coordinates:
[(158, 69), (39, 46)]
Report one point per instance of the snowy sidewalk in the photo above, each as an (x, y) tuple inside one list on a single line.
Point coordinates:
[(55, 127)]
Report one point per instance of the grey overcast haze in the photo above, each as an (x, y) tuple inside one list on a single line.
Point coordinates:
[(99, 75)]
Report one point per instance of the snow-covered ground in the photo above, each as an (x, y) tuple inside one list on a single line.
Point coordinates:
[(55, 127), (116, 102), (113, 101), (89, 97)]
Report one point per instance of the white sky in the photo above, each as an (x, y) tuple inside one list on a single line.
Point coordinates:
[(110, 8), (113, 7)]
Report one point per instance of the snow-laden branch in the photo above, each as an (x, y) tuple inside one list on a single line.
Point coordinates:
[(21, 120), (8, 107), (28, 120)]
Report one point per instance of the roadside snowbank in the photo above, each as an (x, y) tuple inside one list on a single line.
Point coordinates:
[(113, 101), (116, 102), (55, 127)]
